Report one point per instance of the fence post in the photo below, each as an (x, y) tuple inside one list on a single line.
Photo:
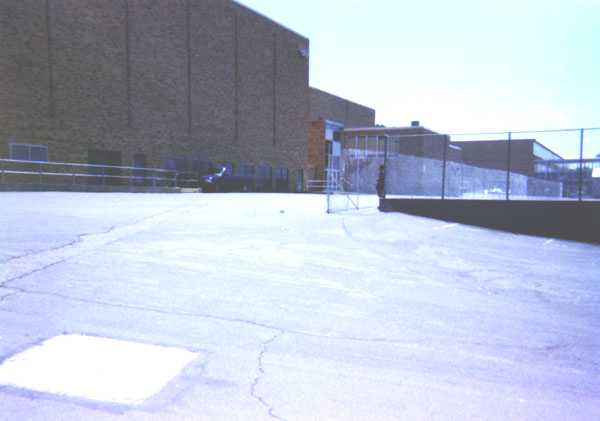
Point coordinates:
[(581, 134), (385, 162), (508, 165), (445, 156)]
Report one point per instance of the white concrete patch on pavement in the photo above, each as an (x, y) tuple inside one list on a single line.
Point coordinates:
[(94, 368)]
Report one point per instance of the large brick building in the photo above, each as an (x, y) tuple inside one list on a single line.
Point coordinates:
[(158, 83)]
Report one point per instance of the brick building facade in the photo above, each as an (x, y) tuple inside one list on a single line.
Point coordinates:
[(494, 154), (325, 106), (156, 82)]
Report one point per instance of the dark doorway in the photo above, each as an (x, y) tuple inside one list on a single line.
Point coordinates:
[(105, 175), (139, 175)]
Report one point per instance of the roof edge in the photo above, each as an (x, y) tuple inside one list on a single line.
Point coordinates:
[(262, 15), (342, 98)]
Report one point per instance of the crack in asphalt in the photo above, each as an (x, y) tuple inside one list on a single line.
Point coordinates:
[(387, 341), (80, 237), (31, 272), (278, 329), (261, 369), (10, 294), (77, 241), (214, 317)]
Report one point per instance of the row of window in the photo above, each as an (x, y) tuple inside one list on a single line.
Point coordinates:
[(204, 167), (39, 153), (25, 152), (369, 144)]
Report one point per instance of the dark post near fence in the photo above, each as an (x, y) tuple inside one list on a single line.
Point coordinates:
[(385, 161), (508, 165), (581, 134), (445, 157)]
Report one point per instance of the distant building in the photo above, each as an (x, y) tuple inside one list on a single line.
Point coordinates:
[(414, 140), (494, 154)]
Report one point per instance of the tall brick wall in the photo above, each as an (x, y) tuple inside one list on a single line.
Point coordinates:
[(316, 150), (326, 106), (198, 79)]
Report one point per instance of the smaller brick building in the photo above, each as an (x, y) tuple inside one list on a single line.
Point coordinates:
[(414, 140), (330, 116)]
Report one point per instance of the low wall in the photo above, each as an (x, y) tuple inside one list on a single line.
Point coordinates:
[(408, 175), (571, 220)]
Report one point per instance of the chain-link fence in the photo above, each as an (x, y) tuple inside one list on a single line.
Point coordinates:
[(534, 165)]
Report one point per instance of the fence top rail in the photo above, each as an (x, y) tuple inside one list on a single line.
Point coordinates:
[(568, 161), (75, 164), (392, 136)]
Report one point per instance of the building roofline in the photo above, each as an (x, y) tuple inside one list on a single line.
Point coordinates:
[(262, 15), (383, 129), (342, 98), (495, 140), (547, 148)]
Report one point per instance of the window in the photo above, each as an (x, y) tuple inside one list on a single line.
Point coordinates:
[(181, 164), (281, 173), (23, 152), (381, 144), (371, 145), (300, 181), (176, 164), (169, 164), (332, 130), (281, 180), (328, 147), (264, 171), (201, 166), (362, 144), (139, 160), (247, 170)]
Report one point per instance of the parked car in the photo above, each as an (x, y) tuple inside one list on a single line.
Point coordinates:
[(221, 180)]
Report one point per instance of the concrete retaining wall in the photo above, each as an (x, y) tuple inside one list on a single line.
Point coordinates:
[(571, 220)]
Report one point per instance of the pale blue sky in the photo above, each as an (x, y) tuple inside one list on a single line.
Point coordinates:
[(457, 66)]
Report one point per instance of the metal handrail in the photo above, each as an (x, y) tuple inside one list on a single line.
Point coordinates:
[(325, 185), (76, 164), (153, 175), (70, 174)]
